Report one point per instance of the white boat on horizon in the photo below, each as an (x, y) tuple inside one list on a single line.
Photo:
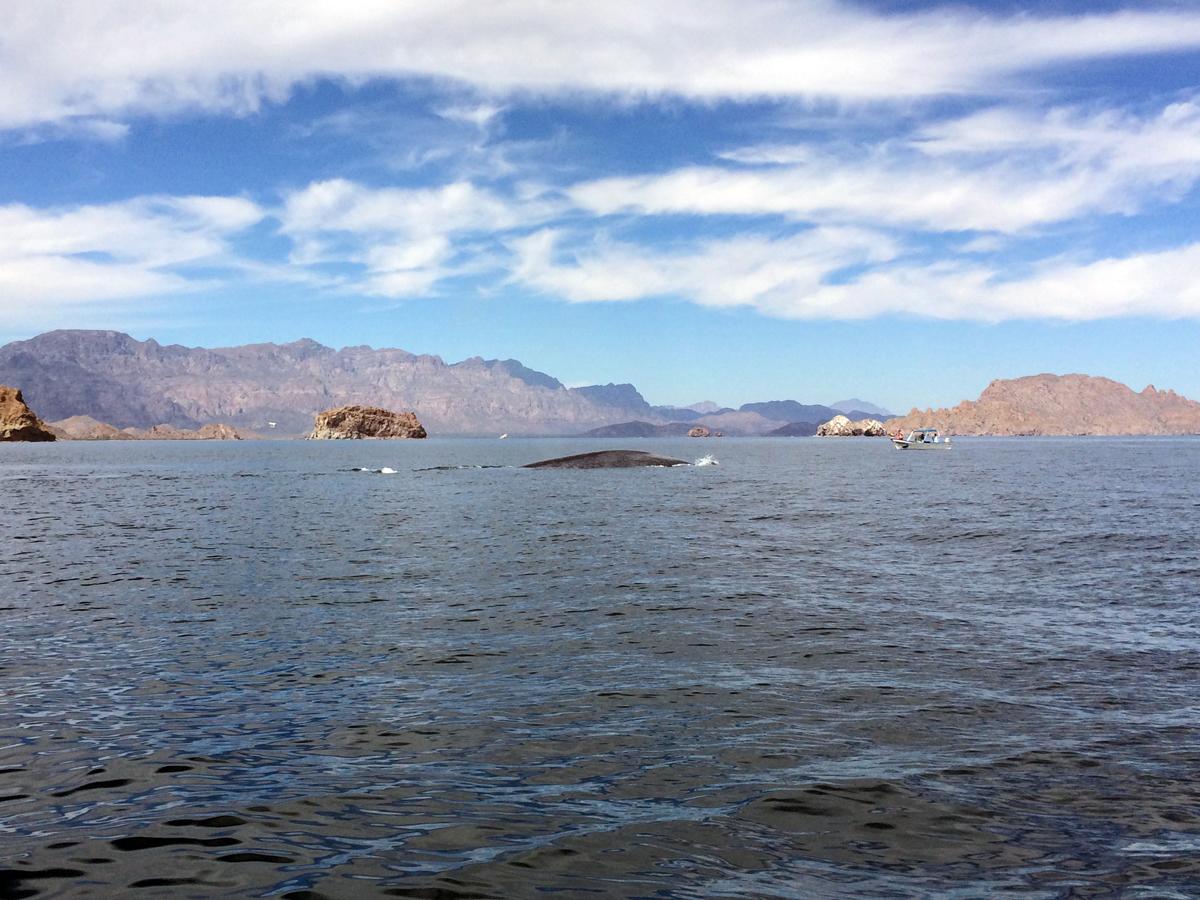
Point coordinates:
[(922, 439)]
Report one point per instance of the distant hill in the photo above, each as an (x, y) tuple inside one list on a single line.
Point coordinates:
[(791, 411), (639, 429), (795, 429), (861, 409), (1062, 405)]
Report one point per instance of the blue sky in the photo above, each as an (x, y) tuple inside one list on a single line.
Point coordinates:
[(720, 200)]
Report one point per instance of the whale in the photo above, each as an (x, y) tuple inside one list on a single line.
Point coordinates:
[(607, 459)]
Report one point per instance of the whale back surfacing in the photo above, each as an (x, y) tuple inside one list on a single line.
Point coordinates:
[(607, 459)]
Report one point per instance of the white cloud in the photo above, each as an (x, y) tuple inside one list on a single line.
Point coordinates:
[(1159, 284), (115, 58), (406, 239), (341, 205), (481, 115), (790, 278), (117, 251), (741, 271), (1000, 170)]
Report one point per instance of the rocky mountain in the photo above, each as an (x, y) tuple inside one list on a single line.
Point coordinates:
[(277, 389), (1062, 405), (125, 382)]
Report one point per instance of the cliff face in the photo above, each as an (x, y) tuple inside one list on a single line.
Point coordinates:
[(131, 383), (1062, 405), (357, 422), (17, 421)]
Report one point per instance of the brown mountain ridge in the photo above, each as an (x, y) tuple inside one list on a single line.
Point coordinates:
[(276, 389), (1061, 405)]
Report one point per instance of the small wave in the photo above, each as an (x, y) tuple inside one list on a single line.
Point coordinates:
[(383, 471), (709, 460)]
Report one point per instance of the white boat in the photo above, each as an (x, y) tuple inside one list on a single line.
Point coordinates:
[(922, 439), (503, 436)]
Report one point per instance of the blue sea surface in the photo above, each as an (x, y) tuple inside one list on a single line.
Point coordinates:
[(821, 668)]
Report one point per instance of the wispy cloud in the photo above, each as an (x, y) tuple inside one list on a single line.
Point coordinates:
[(116, 58), (405, 240), (742, 271), (1000, 170), (142, 247), (795, 279)]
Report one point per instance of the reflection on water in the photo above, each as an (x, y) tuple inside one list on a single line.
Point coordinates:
[(817, 669)]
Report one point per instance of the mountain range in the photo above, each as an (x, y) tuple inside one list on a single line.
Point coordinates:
[(128, 383)]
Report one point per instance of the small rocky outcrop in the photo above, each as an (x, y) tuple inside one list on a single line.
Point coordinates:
[(217, 431), (214, 432), (17, 421), (699, 431), (359, 422), (840, 426)]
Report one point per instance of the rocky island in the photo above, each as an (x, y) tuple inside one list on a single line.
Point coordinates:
[(17, 421), (1062, 405), (359, 422), (841, 426)]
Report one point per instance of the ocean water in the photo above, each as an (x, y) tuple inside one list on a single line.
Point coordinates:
[(821, 668)]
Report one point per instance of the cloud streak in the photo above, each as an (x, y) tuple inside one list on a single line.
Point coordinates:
[(1000, 170), (64, 258), (109, 59), (791, 279)]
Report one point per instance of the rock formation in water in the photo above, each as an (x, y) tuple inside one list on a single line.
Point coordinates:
[(699, 431), (607, 459), (17, 421), (1061, 405), (840, 426), (215, 431), (357, 422)]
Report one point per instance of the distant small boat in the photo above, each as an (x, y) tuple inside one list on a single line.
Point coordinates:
[(922, 439), (503, 436)]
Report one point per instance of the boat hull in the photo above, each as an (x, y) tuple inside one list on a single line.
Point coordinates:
[(919, 445)]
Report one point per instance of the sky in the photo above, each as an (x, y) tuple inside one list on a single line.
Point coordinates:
[(728, 200)]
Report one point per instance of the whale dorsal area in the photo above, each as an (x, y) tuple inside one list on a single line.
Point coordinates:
[(607, 459)]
